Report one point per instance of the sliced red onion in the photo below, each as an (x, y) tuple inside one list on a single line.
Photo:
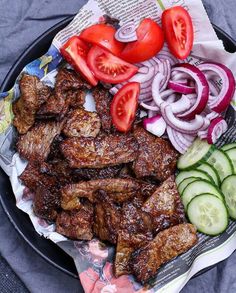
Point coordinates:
[(188, 127), (176, 75), (223, 99), (155, 125), (127, 33), (156, 84), (180, 88), (143, 69), (202, 134), (217, 127), (149, 107), (171, 98), (212, 115), (176, 141), (202, 89), (165, 69), (165, 54), (113, 90), (181, 105)]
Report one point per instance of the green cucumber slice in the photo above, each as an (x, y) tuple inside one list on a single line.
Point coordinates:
[(229, 146), (185, 182), (192, 173), (208, 213), (211, 171), (199, 151), (221, 162), (232, 155), (198, 187), (228, 188)]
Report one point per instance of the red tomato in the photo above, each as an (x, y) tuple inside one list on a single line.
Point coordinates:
[(178, 29), (102, 35), (109, 68), (150, 41), (124, 106), (75, 52)]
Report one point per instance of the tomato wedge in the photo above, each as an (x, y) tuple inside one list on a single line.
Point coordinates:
[(102, 35), (124, 106), (109, 68), (150, 42), (75, 52), (178, 30)]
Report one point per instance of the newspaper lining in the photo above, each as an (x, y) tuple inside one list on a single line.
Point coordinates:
[(93, 259)]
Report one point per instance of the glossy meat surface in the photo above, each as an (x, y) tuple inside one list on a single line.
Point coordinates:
[(165, 246), (156, 157), (99, 152)]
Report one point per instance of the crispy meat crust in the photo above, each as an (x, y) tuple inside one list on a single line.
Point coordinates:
[(100, 152), (33, 93), (81, 123), (35, 144), (165, 246), (156, 156), (76, 224)]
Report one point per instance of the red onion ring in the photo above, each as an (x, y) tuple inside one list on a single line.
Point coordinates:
[(181, 105), (180, 88), (126, 33), (217, 127)]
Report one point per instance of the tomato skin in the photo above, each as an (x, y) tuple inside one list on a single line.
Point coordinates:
[(102, 35), (150, 42), (178, 30), (109, 68), (124, 106), (75, 52)]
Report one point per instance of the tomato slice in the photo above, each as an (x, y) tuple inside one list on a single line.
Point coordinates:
[(150, 41), (178, 30), (109, 68), (75, 52), (102, 35), (124, 106)]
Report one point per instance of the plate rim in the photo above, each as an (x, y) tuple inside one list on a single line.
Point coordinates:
[(6, 85)]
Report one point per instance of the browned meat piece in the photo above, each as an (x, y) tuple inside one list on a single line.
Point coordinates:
[(107, 217), (164, 206), (166, 245), (32, 178), (156, 156), (101, 151), (55, 107), (35, 144), (127, 243), (77, 98), (55, 151), (102, 99), (76, 224), (90, 173), (118, 189), (46, 202), (81, 123), (33, 92)]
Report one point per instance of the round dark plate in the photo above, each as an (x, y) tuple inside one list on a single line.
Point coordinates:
[(46, 248)]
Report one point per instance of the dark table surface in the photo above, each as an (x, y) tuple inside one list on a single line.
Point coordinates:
[(21, 269)]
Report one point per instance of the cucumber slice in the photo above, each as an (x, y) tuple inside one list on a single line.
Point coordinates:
[(232, 155), (185, 182), (228, 188), (192, 173), (198, 187), (229, 146), (199, 151), (209, 214), (211, 171), (221, 162)]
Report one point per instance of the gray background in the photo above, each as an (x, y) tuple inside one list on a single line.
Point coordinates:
[(21, 22)]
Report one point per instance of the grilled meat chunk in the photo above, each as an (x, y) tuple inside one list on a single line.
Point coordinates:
[(165, 246), (118, 189), (99, 152), (46, 202), (107, 216), (33, 93), (77, 98), (35, 144), (164, 206), (76, 224), (127, 243), (81, 123), (32, 178), (102, 99), (156, 156), (93, 174)]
